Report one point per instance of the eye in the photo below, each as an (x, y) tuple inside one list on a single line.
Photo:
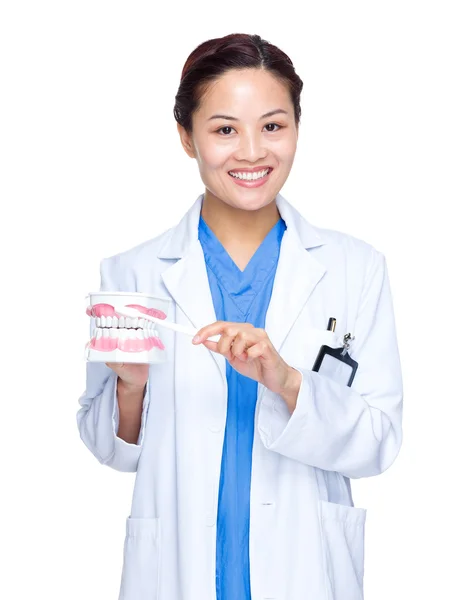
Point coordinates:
[(226, 127), (272, 130)]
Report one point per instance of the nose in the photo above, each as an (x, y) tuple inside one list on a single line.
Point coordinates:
[(251, 147)]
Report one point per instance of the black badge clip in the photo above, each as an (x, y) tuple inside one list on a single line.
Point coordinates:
[(336, 363)]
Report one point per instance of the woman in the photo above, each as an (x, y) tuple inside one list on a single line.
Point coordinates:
[(243, 453)]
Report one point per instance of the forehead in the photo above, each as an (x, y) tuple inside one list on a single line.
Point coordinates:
[(247, 90)]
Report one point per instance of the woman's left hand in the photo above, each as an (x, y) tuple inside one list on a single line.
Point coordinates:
[(250, 351)]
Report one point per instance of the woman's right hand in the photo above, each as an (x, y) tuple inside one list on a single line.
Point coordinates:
[(134, 375)]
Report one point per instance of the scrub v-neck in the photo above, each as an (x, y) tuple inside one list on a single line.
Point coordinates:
[(238, 296), (242, 287)]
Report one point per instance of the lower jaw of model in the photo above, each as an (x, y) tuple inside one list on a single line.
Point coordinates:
[(116, 338)]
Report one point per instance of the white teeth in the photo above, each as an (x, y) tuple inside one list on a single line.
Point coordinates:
[(124, 328), (123, 322), (249, 176), (124, 334)]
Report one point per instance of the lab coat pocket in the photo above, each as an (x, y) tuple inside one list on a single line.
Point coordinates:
[(343, 529), (142, 554)]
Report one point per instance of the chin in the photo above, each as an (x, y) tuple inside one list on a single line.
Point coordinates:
[(253, 204), (242, 198)]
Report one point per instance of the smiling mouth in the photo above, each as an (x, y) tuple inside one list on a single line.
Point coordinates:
[(250, 176)]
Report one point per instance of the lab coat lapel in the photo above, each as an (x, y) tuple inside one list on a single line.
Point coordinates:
[(187, 279), (297, 274)]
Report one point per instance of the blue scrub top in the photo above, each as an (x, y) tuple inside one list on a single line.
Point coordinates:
[(243, 297)]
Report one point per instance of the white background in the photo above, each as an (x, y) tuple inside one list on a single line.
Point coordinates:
[(91, 165)]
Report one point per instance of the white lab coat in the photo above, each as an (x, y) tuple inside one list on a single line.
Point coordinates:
[(306, 537)]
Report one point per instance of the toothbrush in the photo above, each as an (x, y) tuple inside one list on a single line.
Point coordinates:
[(134, 313)]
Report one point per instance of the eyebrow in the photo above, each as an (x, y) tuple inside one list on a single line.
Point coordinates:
[(269, 114)]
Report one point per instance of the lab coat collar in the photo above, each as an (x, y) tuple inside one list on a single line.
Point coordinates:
[(297, 274), (185, 234)]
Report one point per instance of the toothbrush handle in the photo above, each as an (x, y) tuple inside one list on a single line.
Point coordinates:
[(179, 328), (187, 330)]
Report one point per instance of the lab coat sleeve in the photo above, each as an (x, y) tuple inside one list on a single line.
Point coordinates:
[(356, 431), (98, 417)]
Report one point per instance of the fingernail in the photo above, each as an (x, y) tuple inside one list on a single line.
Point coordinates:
[(196, 338)]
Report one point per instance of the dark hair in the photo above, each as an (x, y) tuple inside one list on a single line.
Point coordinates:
[(213, 58)]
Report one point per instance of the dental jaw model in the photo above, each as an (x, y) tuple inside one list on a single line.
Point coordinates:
[(117, 338)]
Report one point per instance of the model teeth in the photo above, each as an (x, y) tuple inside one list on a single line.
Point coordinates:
[(124, 323), (249, 176), (125, 334)]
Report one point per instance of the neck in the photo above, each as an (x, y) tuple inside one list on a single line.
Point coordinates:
[(232, 224)]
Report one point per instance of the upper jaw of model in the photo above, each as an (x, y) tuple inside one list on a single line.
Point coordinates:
[(116, 338)]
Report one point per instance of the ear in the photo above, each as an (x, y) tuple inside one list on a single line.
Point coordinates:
[(186, 141)]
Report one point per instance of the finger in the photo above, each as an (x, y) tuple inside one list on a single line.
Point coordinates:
[(208, 331), (213, 346), (220, 327), (225, 344), (114, 365), (221, 347), (243, 357), (243, 341), (261, 349)]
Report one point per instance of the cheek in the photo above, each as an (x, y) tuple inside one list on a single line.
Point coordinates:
[(213, 156), (285, 155)]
